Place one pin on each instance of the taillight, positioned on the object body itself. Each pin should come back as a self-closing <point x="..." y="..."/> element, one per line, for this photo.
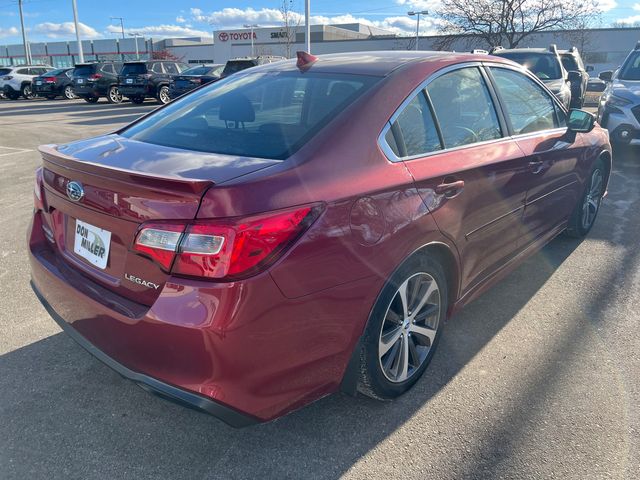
<point x="229" y="248"/>
<point x="37" y="191"/>
<point x="7" y="77"/>
<point x="49" y="79"/>
<point x="94" y="76"/>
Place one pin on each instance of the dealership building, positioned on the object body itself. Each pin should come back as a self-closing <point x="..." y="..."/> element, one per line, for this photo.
<point x="604" y="48"/>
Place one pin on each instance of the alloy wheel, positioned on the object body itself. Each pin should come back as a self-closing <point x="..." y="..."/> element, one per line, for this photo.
<point x="114" y="95"/>
<point x="409" y="327"/>
<point x="68" y="93"/>
<point x="592" y="199"/>
<point x="164" y="95"/>
<point x="27" y="92"/>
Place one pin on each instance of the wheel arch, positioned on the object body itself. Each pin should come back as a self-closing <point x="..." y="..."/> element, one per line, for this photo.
<point x="443" y="254"/>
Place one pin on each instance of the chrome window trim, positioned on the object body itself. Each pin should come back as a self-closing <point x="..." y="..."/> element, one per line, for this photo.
<point x="392" y="157"/>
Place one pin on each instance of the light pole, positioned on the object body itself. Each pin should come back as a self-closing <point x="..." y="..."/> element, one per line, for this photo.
<point x="27" y="52"/>
<point x="121" y="24"/>
<point x="411" y="14"/>
<point x="75" y="21"/>
<point x="252" y="26"/>
<point x="307" y="27"/>
<point x="135" y="35"/>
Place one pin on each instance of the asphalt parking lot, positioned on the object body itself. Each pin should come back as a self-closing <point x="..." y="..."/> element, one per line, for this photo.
<point x="539" y="378"/>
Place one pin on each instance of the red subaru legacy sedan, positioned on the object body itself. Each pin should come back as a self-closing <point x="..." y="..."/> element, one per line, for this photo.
<point x="300" y="228"/>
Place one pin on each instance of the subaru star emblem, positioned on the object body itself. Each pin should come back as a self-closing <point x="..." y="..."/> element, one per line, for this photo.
<point x="75" y="191"/>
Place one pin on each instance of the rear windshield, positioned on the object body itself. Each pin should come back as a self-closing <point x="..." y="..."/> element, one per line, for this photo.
<point x="134" y="69"/>
<point x="234" y="66"/>
<point x="544" y="66"/>
<point x="267" y="115"/>
<point x="631" y="68"/>
<point x="83" y="70"/>
<point x="5" y="71"/>
<point x="197" y="71"/>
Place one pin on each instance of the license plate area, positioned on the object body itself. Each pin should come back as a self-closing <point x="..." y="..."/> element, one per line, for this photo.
<point x="92" y="243"/>
<point x="129" y="80"/>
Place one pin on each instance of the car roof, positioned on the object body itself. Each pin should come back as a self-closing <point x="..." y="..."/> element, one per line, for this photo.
<point x="545" y="51"/>
<point x="379" y="63"/>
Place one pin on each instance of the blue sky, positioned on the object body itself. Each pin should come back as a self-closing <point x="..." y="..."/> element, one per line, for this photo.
<point x="51" y="20"/>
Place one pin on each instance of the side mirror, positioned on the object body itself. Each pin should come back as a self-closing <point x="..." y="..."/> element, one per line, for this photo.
<point x="606" y="76"/>
<point x="575" y="76"/>
<point x="580" y="121"/>
<point x="588" y="68"/>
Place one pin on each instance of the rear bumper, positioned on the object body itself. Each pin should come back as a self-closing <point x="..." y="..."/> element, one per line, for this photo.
<point x="175" y="92"/>
<point x="87" y="91"/>
<point x="134" y="91"/>
<point x="240" y="351"/>
<point x="44" y="89"/>
<point x="152" y="385"/>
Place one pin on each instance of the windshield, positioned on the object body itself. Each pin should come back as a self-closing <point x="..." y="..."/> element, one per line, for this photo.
<point x="234" y="66"/>
<point x="544" y="66"/>
<point x="5" y="71"/>
<point x="55" y="73"/>
<point x="134" y="69"/>
<point x="265" y="115"/>
<point x="631" y="68"/>
<point x="83" y="70"/>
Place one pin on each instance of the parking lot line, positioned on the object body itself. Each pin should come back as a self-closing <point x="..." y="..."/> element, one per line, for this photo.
<point x="18" y="150"/>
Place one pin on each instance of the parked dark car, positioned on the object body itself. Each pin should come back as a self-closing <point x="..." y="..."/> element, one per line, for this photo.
<point x="193" y="78"/>
<point x="545" y="63"/>
<point x="53" y="84"/>
<point x="578" y="75"/>
<point x="248" y="248"/>
<point x="140" y="80"/>
<point x="94" y="80"/>
<point x="242" y="63"/>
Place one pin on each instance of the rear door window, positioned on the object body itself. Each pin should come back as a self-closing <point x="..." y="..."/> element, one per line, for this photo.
<point x="267" y="115"/>
<point x="171" y="68"/>
<point x="108" y="68"/>
<point x="529" y="108"/>
<point x="23" y="71"/>
<point x="157" y="68"/>
<point x="134" y="69"/>
<point x="464" y="108"/>
<point x="417" y="129"/>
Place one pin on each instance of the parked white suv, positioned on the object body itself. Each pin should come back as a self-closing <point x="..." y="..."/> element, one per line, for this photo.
<point x="16" y="80"/>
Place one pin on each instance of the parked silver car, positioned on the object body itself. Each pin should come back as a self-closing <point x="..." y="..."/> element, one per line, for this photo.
<point x="619" y="109"/>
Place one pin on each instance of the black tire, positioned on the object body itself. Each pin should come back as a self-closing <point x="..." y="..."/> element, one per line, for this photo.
<point x="137" y="100"/>
<point x="373" y="381"/>
<point x="591" y="198"/>
<point x="163" y="95"/>
<point x="91" y="99"/>
<point x="26" y="91"/>
<point x="113" y="95"/>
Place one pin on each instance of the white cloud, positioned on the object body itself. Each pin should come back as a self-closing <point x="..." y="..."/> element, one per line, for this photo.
<point x="629" y="20"/>
<point x="66" y="29"/>
<point x="417" y="4"/>
<point x="271" y="17"/>
<point x="636" y="6"/>
<point x="8" y="32"/>
<point x="180" y="19"/>
<point x="162" y="31"/>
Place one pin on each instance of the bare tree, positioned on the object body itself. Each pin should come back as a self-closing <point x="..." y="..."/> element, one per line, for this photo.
<point x="509" y="22"/>
<point x="625" y="25"/>
<point x="290" y="25"/>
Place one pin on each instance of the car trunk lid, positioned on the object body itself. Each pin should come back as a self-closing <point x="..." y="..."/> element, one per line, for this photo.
<point x="125" y="183"/>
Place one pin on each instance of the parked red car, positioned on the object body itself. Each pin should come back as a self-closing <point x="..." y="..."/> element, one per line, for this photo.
<point x="300" y="228"/>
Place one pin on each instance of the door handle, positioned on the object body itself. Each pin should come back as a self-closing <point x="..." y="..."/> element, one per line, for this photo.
<point x="450" y="189"/>
<point x="536" y="166"/>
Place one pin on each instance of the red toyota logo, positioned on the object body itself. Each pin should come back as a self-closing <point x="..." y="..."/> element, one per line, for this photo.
<point x="224" y="36"/>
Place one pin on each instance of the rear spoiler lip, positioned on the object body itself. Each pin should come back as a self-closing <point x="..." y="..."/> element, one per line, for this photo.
<point x="51" y="154"/>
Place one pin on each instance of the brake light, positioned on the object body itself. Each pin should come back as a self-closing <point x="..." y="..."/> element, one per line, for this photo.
<point x="7" y="77"/>
<point x="229" y="248"/>
<point x="94" y="76"/>
<point x="49" y="79"/>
